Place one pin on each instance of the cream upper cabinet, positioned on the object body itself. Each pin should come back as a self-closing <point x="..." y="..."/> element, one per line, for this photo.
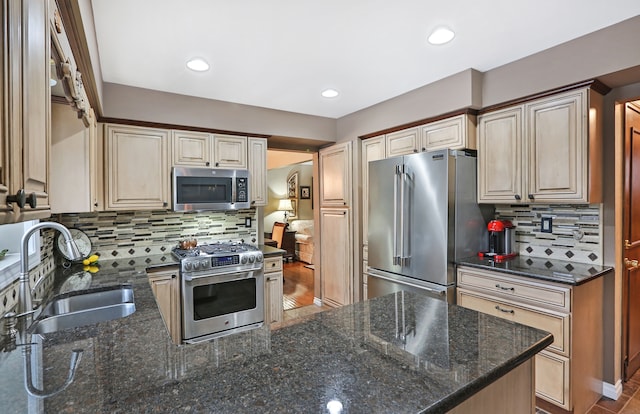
<point x="336" y="257"/>
<point x="258" y="171"/>
<point x="336" y="168"/>
<point x="229" y="151"/>
<point x="191" y="149"/>
<point x="500" y="178"/>
<point x="558" y="158"/>
<point x="457" y="132"/>
<point x="403" y="142"/>
<point x="137" y="168"/>
<point x="372" y="149"/>
<point x="25" y="140"/>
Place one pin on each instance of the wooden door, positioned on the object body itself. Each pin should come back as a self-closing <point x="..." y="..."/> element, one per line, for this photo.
<point x="500" y="158"/>
<point x="631" y="280"/>
<point x="335" y="259"/>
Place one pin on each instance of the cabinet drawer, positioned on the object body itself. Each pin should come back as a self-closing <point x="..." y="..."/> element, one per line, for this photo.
<point x="273" y="264"/>
<point x="555" y="323"/>
<point x="512" y="287"/>
<point x="552" y="378"/>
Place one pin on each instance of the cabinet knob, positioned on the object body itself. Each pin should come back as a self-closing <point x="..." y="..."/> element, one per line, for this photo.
<point x="423" y="149"/>
<point x="530" y="196"/>
<point x="95" y="204"/>
<point x="253" y="201"/>
<point x="415" y="150"/>
<point x="217" y="164"/>
<point x="164" y="204"/>
<point x="22" y="199"/>
<point x="173" y="276"/>
<point x="207" y="163"/>
<point x="517" y="197"/>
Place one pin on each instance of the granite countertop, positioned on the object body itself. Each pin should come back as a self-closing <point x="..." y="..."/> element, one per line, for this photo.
<point x="559" y="271"/>
<point x="354" y="354"/>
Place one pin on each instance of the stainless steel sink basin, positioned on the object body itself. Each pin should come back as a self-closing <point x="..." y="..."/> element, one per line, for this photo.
<point x="85" y="309"/>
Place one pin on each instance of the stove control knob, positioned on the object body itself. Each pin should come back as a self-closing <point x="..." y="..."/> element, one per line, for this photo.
<point x="187" y="266"/>
<point x="203" y="264"/>
<point x="259" y="258"/>
<point x="196" y="265"/>
<point x="252" y="258"/>
<point x="244" y="260"/>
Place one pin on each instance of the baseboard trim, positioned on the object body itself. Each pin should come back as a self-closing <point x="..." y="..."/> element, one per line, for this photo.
<point x="612" y="391"/>
<point x="317" y="301"/>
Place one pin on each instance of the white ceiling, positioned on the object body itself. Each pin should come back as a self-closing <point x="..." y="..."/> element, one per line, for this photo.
<point x="282" y="53"/>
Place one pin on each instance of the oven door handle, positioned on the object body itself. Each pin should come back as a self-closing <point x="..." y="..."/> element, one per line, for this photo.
<point x="222" y="277"/>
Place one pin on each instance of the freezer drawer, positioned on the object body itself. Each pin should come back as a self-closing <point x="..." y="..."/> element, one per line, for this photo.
<point x="383" y="283"/>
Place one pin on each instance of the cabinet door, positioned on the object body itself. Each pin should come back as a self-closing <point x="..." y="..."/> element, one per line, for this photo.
<point x="273" y="297"/>
<point x="500" y="156"/>
<point x="335" y="175"/>
<point x="558" y="151"/>
<point x="229" y="151"/>
<point x="258" y="171"/>
<point x="403" y="142"/>
<point x="336" y="254"/>
<point x="456" y="133"/>
<point x="137" y="168"/>
<point x="166" y="289"/>
<point x="191" y="149"/>
<point x="36" y="107"/>
<point x="372" y="149"/>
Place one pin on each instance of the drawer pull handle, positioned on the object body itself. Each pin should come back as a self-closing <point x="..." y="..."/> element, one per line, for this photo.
<point x="505" y="288"/>
<point x="505" y="310"/>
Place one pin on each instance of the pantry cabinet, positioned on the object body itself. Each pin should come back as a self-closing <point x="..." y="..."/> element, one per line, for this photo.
<point x="336" y="170"/>
<point x="137" y="168"/>
<point x="25" y="140"/>
<point x="273" y="292"/>
<point x="258" y="171"/>
<point x="547" y="150"/>
<point x="569" y="371"/>
<point x="336" y="258"/>
<point x="165" y="284"/>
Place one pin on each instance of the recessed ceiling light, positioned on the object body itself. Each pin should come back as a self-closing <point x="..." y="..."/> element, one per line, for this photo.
<point x="330" y="93"/>
<point x="441" y="36"/>
<point x="198" y="65"/>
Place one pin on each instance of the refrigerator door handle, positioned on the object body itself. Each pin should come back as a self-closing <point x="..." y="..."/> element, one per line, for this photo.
<point x="404" y="257"/>
<point x="396" y="179"/>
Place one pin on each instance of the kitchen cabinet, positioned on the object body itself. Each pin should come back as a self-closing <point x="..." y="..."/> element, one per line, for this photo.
<point x="74" y="161"/>
<point x="336" y="167"/>
<point x="547" y="150"/>
<point x="258" y="171"/>
<point x="273" y="294"/>
<point x="457" y="132"/>
<point x="403" y="142"/>
<point x="372" y="149"/>
<point x="137" y="168"/>
<point x="191" y="149"/>
<point x="24" y="143"/>
<point x="229" y="151"/>
<point x="165" y="284"/>
<point x="569" y="371"/>
<point x="336" y="257"/>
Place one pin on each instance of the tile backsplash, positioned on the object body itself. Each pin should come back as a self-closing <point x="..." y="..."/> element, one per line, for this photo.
<point x="576" y="231"/>
<point x="118" y="234"/>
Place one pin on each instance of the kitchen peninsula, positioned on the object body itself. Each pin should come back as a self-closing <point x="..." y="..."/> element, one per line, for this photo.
<point x="397" y="353"/>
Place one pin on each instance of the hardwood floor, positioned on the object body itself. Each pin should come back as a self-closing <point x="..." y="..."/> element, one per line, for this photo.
<point x="298" y="285"/>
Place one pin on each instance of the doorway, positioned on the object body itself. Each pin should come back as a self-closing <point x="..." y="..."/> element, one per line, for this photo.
<point x="290" y="179"/>
<point x="631" y="234"/>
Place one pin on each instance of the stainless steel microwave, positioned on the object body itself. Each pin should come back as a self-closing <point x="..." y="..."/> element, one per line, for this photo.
<point x="201" y="189"/>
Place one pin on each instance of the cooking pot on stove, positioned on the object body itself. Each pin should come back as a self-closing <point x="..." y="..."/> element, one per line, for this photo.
<point x="187" y="244"/>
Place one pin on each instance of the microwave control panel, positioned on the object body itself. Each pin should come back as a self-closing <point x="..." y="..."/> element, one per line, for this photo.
<point x="241" y="190"/>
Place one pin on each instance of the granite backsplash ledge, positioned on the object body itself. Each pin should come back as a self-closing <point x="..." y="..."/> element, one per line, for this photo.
<point x="117" y="234"/>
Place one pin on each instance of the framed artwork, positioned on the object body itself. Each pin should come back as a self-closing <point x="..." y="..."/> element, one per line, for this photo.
<point x="305" y="192"/>
<point x="294" y="213"/>
<point x="292" y="185"/>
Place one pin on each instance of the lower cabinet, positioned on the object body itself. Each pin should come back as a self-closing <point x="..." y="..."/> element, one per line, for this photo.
<point x="569" y="371"/>
<point x="273" y="279"/>
<point x="165" y="284"/>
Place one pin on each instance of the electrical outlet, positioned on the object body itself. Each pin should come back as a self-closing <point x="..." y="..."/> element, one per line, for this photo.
<point x="247" y="221"/>
<point x="546" y="225"/>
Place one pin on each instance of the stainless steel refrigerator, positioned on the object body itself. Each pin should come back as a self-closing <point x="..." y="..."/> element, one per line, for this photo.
<point x="423" y="216"/>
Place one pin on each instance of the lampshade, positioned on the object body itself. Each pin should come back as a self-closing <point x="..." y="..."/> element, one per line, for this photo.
<point x="285" y="205"/>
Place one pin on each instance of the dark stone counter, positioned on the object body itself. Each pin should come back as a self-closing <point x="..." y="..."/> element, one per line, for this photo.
<point x="559" y="271"/>
<point x="398" y="353"/>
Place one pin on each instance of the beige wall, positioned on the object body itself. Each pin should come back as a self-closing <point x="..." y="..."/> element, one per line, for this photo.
<point x="276" y="159"/>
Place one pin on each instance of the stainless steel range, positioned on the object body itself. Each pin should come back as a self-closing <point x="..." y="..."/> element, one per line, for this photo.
<point x="222" y="290"/>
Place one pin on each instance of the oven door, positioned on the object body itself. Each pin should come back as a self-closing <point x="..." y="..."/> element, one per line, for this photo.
<point x="222" y="303"/>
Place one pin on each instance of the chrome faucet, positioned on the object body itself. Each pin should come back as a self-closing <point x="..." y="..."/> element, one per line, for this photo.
<point x="24" y="292"/>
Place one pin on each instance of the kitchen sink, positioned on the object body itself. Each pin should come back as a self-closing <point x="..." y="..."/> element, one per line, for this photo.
<point x="85" y="309"/>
